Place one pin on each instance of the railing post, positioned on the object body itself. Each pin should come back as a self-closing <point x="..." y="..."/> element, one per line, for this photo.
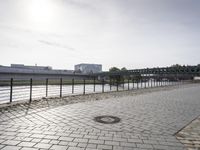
<point x="31" y="84"/>
<point x="137" y="83"/>
<point x="156" y="82"/>
<point x="11" y="89"/>
<point x="94" y="84"/>
<point x="47" y="87"/>
<point x="117" y="85"/>
<point x="165" y="81"/>
<point x="145" y="84"/>
<point x="103" y="86"/>
<point x="73" y="86"/>
<point x="128" y="84"/>
<point x="110" y="85"/>
<point x="141" y="83"/>
<point x="161" y="82"/>
<point x="60" y="87"/>
<point x="123" y="84"/>
<point x="133" y="83"/>
<point x="83" y="86"/>
<point x="151" y="82"/>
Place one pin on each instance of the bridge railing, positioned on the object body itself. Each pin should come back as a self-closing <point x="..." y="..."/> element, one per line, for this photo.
<point x="30" y="89"/>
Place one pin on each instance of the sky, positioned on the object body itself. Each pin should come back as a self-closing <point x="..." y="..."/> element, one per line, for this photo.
<point x="122" y="33"/>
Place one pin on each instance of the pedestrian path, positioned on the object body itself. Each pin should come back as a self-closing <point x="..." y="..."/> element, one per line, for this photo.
<point x="148" y="121"/>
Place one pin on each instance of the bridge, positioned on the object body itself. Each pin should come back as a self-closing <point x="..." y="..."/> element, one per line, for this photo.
<point x="181" y="72"/>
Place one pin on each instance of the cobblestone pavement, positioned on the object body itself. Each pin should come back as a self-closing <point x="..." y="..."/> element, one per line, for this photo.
<point x="190" y="135"/>
<point x="148" y="121"/>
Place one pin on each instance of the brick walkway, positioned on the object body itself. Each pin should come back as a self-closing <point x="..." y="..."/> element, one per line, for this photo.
<point x="148" y="121"/>
<point x="190" y="135"/>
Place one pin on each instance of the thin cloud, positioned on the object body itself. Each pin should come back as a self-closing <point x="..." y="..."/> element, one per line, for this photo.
<point x="55" y="44"/>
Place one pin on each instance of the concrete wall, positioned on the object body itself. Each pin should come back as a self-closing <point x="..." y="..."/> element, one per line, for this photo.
<point x="19" y="73"/>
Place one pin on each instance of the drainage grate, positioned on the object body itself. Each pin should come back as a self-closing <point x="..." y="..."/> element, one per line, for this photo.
<point x="107" y="119"/>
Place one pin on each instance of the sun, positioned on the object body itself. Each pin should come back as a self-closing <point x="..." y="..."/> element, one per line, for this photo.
<point x="42" y="12"/>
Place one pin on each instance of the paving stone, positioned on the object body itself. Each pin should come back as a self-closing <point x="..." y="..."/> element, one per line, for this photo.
<point x="75" y="148"/>
<point x="78" y="140"/>
<point x="126" y="144"/>
<point x="28" y="148"/>
<point x="54" y="142"/>
<point x="91" y="149"/>
<point x="96" y="141"/>
<point x="135" y="140"/>
<point x="112" y="143"/>
<point x="72" y="144"/>
<point x="82" y="145"/>
<point x="26" y="144"/>
<point x="1" y="146"/>
<point x="64" y="138"/>
<point x="11" y="142"/>
<point x="76" y="135"/>
<point x="120" y="139"/>
<point x="36" y="140"/>
<point x="104" y="146"/>
<point x="11" y="148"/>
<point x="90" y="136"/>
<point x="27" y="139"/>
<point x="24" y="134"/>
<point x="94" y="146"/>
<point x="144" y="146"/>
<point x="45" y="141"/>
<point x="43" y="145"/>
<point x="105" y="138"/>
<point x="120" y="148"/>
<point x="58" y="147"/>
<point x="37" y="136"/>
<point x="51" y="137"/>
<point x="1" y="141"/>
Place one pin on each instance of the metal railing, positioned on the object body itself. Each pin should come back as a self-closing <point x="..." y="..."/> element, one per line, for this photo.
<point x="29" y="89"/>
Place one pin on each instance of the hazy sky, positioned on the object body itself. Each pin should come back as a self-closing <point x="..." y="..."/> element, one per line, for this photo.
<point x="130" y="33"/>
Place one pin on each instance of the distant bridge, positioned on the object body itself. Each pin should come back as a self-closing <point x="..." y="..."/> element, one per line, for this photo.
<point x="181" y="71"/>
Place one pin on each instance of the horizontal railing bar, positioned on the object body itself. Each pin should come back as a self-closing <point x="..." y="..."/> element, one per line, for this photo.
<point x="4" y="89"/>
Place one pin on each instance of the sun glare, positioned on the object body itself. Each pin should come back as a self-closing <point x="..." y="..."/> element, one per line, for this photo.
<point x="42" y="12"/>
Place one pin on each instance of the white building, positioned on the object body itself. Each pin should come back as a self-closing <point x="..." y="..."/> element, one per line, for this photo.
<point x="88" y="68"/>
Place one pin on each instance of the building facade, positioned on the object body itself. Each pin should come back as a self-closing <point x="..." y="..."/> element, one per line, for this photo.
<point x="88" y="68"/>
<point x="22" y="66"/>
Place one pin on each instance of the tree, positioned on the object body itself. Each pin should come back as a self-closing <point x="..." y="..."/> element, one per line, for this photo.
<point x="124" y="69"/>
<point x="114" y="69"/>
<point x="115" y="78"/>
<point x="176" y="65"/>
